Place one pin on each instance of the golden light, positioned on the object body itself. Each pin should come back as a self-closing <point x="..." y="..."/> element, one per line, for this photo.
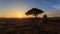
<point x="20" y="16"/>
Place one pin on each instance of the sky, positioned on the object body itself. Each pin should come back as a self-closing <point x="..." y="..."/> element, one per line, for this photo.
<point x="17" y="8"/>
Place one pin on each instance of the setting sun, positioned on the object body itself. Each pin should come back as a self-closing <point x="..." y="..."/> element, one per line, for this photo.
<point x="20" y="16"/>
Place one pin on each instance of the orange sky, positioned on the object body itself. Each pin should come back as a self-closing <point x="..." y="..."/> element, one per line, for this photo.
<point x="17" y="9"/>
<point x="23" y="15"/>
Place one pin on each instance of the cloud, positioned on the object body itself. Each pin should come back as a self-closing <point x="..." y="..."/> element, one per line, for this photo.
<point x="53" y="14"/>
<point x="57" y="6"/>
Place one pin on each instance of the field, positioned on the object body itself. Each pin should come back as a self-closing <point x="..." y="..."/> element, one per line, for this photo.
<point x="29" y="26"/>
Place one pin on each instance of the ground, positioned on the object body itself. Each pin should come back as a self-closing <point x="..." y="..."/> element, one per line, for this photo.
<point x="29" y="26"/>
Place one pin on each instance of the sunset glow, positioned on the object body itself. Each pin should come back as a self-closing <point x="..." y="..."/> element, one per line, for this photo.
<point x="17" y="9"/>
<point x="20" y="16"/>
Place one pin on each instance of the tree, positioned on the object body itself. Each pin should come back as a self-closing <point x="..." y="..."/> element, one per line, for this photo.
<point x="34" y="12"/>
<point x="45" y="19"/>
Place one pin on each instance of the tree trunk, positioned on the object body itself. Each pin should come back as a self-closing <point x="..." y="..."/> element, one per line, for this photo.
<point x="36" y="16"/>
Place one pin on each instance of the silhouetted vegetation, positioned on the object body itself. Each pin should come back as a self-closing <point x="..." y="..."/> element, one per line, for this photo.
<point x="45" y="19"/>
<point x="43" y="25"/>
<point x="27" y="26"/>
<point x="34" y="12"/>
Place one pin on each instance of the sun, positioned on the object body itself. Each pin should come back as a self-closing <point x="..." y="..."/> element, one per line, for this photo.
<point x="20" y="16"/>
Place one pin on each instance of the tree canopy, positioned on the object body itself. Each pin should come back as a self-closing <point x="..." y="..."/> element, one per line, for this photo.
<point x="34" y="12"/>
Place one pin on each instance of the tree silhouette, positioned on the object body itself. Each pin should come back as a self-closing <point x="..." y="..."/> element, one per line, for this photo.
<point x="45" y="19"/>
<point x="34" y="12"/>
